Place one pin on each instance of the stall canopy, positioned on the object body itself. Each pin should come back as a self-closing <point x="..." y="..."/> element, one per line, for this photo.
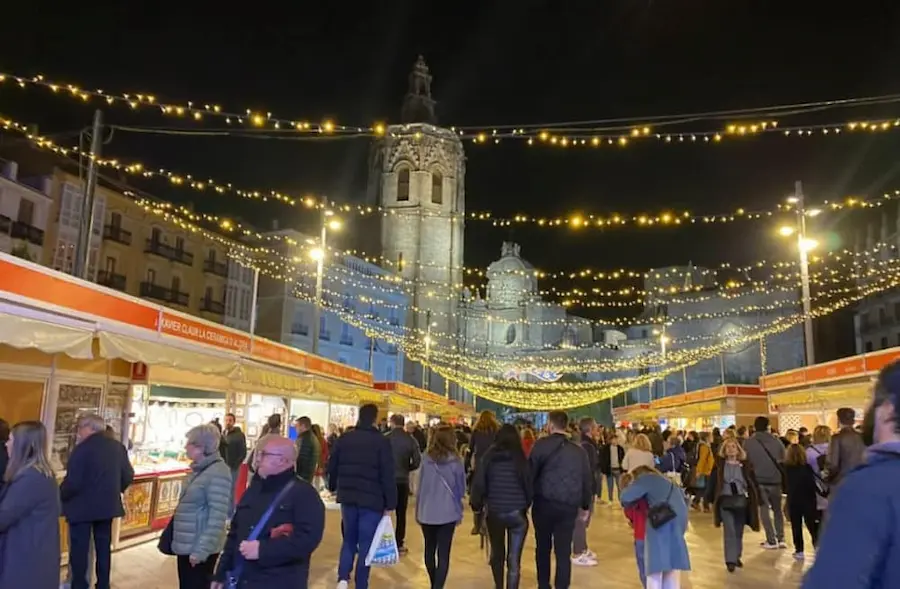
<point x="843" y="382"/>
<point x="54" y="312"/>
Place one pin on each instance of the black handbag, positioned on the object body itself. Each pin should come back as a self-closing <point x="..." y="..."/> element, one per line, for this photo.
<point x="734" y="502"/>
<point x="662" y="513"/>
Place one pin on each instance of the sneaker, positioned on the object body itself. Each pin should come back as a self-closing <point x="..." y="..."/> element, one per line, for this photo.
<point x="799" y="556"/>
<point x="590" y="555"/>
<point x="767" y="546"/>
<point x="583" y="560"/>
<point x="730" y="566"/>
<point x="782" y="544"/>
<point x="343" y="585"/>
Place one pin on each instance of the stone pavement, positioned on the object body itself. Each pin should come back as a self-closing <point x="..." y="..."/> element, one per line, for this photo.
<point x="142" y="567"/>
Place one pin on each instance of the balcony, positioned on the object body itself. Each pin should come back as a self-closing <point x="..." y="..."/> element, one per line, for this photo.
<point x="217" y="268"/>
<point x="166" y="295"/>
<point x="117" y="234"/>
<point x="5" y="224"/>
<point x="27" y="232"/>
<point x="170" y="253"/>
<point x="211" y="306"/>
<point x="111" y="279"/>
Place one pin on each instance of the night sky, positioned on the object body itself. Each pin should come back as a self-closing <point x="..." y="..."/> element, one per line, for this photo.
<point x="493" y="63"/>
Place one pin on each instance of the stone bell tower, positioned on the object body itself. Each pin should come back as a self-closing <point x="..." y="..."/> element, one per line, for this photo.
<point x="418" y="178"/>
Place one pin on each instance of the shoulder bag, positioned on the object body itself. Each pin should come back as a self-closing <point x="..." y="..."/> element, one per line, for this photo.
<point x="233" y="577"/>
<point x="168" y="534"/>
<point x="734" y="502"/>
<point x="662" y="513"/>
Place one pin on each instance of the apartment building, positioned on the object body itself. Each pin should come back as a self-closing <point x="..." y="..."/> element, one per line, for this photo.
<point x="24" y="210"/>
<point x="136" y="251"/>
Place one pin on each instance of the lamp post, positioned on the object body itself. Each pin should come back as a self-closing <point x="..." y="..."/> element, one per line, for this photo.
<point x="804" y="246"/>
<point x="426" y="371"/>
<point x="329" y="221"/>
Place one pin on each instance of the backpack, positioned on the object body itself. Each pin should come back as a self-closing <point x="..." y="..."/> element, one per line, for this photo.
<point x="823" y="489"/>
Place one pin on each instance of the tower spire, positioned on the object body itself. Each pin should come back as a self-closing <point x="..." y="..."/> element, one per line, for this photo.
<point x="418" y="105"/>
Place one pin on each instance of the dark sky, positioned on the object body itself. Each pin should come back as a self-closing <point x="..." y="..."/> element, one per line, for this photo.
<point x="493" y="63"/>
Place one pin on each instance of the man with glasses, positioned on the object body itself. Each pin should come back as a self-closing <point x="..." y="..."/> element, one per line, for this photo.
<point x="276" y="551"/>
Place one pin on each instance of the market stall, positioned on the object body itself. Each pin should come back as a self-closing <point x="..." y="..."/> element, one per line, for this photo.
<point x="68" y="347"/>
<point x="630" y="415"/>
<point x="720" y="406"/>
<point x="810" y="396"/>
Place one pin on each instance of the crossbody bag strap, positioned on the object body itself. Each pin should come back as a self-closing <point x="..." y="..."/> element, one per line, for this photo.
<point x="257" y="530"/>
<point x="772" y="458"/>
<point x="550" y="456"/>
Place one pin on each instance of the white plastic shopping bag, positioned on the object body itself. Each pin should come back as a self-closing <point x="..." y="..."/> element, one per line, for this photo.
<point x="383" y="552"/>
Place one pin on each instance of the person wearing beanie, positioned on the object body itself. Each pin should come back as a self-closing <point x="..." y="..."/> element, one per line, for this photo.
<point x="361" y="471"/>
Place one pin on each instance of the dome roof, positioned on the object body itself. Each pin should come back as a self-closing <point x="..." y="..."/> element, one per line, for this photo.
<point x="511" y="279"/>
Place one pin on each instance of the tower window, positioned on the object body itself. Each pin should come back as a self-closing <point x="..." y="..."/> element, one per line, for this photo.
<point x="437" y="188"/>
<point x="403" y="184"/>
<point x="400" y="262"/>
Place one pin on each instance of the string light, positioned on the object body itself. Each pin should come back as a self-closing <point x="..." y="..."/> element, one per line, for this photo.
<point x="573" y="221"/>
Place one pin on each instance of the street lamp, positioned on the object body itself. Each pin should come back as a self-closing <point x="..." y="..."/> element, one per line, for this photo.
<point x="328" y="221"/>
<point x="426" y="371"/>
<point x="804" y="246"/>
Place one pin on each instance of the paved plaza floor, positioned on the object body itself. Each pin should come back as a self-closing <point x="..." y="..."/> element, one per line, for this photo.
<point x="142" y="567"/>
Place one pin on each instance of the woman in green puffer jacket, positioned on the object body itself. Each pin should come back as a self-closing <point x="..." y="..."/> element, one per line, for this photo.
<point x="199" y="527"/>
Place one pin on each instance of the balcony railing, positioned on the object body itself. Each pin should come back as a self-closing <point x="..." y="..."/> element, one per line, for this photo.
<point x="211" y="306"/>
<point x="117" y="234"/>
<point x="170" y="253"/>
<point x="166" y="295"/>
<point x="111" y="279"/>
<point x="29" y="233"/>
<point x="5" y="224"/>
<point x="217" y="268"/>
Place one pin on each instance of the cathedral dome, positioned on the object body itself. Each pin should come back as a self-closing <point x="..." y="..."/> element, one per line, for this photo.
<point x="511" y="279"/>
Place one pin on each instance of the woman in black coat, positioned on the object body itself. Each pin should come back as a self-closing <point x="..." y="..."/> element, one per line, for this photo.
<point x="29" y="512"/>
<point x="503" y="485"/>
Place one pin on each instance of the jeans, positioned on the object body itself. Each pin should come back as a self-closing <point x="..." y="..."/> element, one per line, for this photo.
<point x="554" y="525"/>
<point x="80" y="534"/>
<point x="507" y="534"/>
<point x="438" y="541"/>
<point x="91" y="561"/>
<point x="195" y="577"/>
<point x="358" y="525"/>
<point x="579" y="534"/>
<point x="402" y="504"/>
<point x="799" y="515"/>
<point x="770" y="498"/>
<point x="613" y="479"/>
<point x="733" y="523"/>
<point x="639" y="558"/>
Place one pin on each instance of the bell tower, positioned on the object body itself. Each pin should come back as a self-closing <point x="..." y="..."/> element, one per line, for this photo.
<point x="418" y="178"/>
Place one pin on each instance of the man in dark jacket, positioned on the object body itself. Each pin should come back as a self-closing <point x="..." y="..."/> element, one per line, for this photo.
<point x="846" y="450"/>
<point x="4" y="455"/>
<point x="279" y="558"/>
<point x="583" y="555"/>
<point x="563" y="490"/>
<point x="233" y="449"/>
<point x="361" y="471"/>
<point x="406" y="459"/>
<point x="309" y="451"/>
<point x="97" y="473"/>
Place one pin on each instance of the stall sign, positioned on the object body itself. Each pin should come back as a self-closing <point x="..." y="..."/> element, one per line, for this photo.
<point x="203" y="333"/>
<point x="139" y="373"/>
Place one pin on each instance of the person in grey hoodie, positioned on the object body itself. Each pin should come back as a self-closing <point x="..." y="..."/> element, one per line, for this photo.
<point x="766" y="453"/>
<point x="439" y="503"/>
<point x="406" y="459"/>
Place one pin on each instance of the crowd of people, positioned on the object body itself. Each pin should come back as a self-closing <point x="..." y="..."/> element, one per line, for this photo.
<point x="841" y="486"/>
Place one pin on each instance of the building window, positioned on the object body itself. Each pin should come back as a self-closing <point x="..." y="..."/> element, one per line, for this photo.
<point x="400" y="262"/>
<point x="26" y="212"/>
<point x="403" y="184"/>
<point x="179" y="244"/>
<point x="882" y="316"/>
<point x="346" y="338"/>
<point x="437" y="188"/>
<point x="884" y="343"/>
<point x="115" y="220"/>
<point x="156" y="235"/>
<point x="348" y="303"/>
<point x="208" y="295"/>
<point x="510" y="335"/>
<point x="323" y="328"/>
<point x="868" y="346"/>
<point x="176" y="284"/>
<point x="70" y="207"/>
<point x="389" y="373"/>
<point x="110" y="265"/>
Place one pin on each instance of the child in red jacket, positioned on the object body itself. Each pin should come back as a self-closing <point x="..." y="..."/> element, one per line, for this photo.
<point x="637" y="516"/>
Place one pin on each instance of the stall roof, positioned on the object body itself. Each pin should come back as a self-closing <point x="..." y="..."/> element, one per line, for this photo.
<point x="836" y="373"/>
<point x="135" y="322"/>
<point x="710" y="394"/>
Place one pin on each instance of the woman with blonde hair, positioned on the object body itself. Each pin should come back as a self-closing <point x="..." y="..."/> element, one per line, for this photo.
<point x="640" y="454"/>
<point x="736" y="500"/>
<point x="439" y="504"/>
<point x="29" y="512"/>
